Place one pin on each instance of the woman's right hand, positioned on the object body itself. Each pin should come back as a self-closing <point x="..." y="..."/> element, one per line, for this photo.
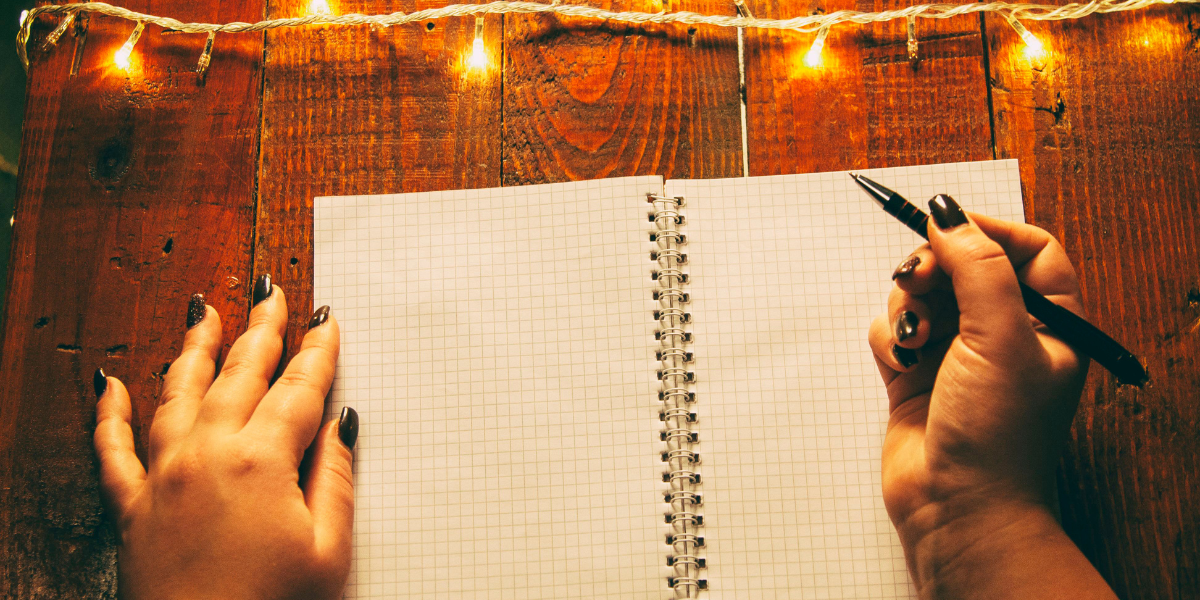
<point x="981" y="399"/>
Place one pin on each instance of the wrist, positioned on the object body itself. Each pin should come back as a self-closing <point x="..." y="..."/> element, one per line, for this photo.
<point x="955" y="541"/>
<point x="985" y="548"/>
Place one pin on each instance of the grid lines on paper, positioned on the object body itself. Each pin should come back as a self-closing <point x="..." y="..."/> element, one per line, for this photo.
<point x="498" y="347"/>
<point x="787" y="273"/>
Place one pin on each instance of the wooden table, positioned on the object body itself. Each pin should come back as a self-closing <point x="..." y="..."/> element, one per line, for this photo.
<point x="136" y="191"/>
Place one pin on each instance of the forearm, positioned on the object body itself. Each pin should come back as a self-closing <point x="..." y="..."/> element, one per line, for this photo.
<point x="1004" y="552"/>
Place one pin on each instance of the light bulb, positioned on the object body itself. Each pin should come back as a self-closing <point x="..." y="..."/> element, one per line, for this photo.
<point x="319" y="7"/>
<point x="1033" y="46"/>
<point x="478" y="53"/>
<point x="126" y="49"/>
<point x="813" y="57"/>
<point x="912" y="38"/>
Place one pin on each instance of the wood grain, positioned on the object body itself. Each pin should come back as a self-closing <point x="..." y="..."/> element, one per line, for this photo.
<point x="588" y="100"/>
<point x="362" y="111"/>
<point x="1108" y="142"/>
<point x="866" y="105"/>
<point x="135" y="191"/>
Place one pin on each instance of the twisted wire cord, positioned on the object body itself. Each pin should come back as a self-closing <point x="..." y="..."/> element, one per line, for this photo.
<point x="811" y="23"/>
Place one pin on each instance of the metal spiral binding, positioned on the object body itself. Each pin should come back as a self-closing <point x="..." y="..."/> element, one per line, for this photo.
<point x="680" y="457"/>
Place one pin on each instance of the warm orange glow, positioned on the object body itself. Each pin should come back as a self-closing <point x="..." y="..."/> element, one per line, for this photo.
<point x="478" y="58"/>
<point x="813" y="57"/>
<point x="319" y="7"/>
<point x="121" y="58"/>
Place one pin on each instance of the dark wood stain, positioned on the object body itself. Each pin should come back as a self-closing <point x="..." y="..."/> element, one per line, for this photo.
<point x="587" y="100"/>
<point x="362" y="111"/>
<point x="136" y="192"/>
<point x="111" y="166"/>
<point x="1106" y="134"/>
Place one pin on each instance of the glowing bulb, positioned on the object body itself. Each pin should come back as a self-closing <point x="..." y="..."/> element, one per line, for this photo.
<point x="126" y="49"/>
<point x="478" y="54"/>
<point x="912" y="38"/>
<point x="24" y="15"/>
<point x="1033" y="46"/>
<point x="813" y="57"/>
<point x="319" y="7"/>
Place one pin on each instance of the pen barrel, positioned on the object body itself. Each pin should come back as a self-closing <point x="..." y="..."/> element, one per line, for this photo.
<point x="910" y="215"/>
<point x="1085" y="338"/>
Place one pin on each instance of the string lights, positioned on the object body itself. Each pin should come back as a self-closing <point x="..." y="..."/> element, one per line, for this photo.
<point x="121" y="57"/>
<point x="912" y="38"/>
<point x="1033" y="46"/>
<point x="319" y="7"/>
<point x="812" y="58"/>
<point x="320" y="14"/>
<point x="478" y="55"/>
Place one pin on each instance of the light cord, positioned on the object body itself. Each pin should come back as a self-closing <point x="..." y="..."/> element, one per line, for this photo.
<point x="807" y="24"/>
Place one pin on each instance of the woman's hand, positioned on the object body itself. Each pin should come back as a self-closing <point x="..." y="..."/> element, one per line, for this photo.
<point x="229" y="506"/>
<point x="982" y="397"/>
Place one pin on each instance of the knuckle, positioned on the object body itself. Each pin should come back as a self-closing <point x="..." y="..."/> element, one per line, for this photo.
<point x="982" y="251"/>
<point x="239" y="367"/>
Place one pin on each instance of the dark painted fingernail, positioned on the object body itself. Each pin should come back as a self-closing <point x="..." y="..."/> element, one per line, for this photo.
<point x="196" y="310"/>
<point x="946" y="212"/>
<point x="319" y="317"/>
<point x="348" y="427"/>
<point x="905" y="356"/>
<point x="100" y="382"/>
<point x="262" y="289"/>
<point x="906" y="325"/>
<point x="906" y="268"/>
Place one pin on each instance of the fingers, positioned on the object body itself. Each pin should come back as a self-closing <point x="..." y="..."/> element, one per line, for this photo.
<point x="896" y="358"/>
<point x="910" y="319"/>
<point x="188" y="378"/>
<point x="985" y="284"/>
<point x="291" y="411"/>
<point x="918" y="273"/>
<point x="1040" y="261"/>
<point x="329" y="485"/>
<point x="121" y="473"/>
<point x="250" y="364"/>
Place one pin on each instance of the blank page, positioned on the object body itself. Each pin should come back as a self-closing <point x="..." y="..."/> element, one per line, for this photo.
<point x="499" y="347"/>
<point x="787" y="273"/>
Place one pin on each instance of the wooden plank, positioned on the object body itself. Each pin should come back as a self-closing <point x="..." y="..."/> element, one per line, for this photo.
<point x="866" y="105"/>
<point x="587" y="100"/>
<point x="135" y="191"/>
<point x="360" y="111"/>
<point x="1106" y="134"/>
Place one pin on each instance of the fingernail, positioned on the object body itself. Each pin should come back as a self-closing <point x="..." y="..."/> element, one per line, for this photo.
<point x="946" y="212"/>
<point x="195" y="311"/>
<point x="906" y="325"/>
<point x="262" y="289"/>
<point x="100" y="382"/>
<point x="906" y="268"/>
<point x="905" y="356"/>
<point x="348" y="427"/>
<point x="319" y="317"/>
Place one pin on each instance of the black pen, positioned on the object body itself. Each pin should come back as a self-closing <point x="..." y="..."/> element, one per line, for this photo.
<point x="1068" y="326"/>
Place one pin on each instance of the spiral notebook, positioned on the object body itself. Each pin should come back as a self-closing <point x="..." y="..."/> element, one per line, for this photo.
<point x="625" y="388"/>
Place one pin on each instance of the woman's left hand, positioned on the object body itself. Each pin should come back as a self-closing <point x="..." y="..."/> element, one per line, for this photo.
<point x="228" y="505"/>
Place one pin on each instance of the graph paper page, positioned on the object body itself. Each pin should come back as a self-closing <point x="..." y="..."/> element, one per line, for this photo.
<point x="787" y="273"/>
<point x="498" y="346"/>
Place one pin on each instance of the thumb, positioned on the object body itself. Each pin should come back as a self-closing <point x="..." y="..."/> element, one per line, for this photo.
<point x="329" y="487"/>
<point x="993" y="314"/>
